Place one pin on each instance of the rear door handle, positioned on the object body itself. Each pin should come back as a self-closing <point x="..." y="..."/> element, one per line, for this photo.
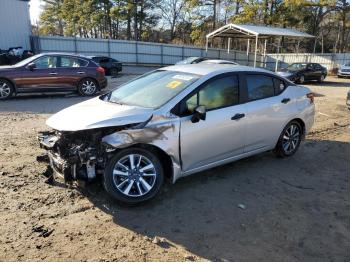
<point x="237" y="116"/>
<point x="285" y="100"/>
<point x="53" y="74"/>
<point x="80" y="72"/>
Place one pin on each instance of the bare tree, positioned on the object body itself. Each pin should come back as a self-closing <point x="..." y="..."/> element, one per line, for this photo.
<point x="171" y="12"/>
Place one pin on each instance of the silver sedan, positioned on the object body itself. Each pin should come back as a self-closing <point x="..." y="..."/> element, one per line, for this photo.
<point x="174" y="122"/>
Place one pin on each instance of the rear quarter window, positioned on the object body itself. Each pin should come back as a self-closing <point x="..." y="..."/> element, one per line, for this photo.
<point x="259" y="87"/>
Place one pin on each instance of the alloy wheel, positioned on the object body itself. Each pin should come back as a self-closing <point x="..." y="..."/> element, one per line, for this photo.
<point x="5" y="90"/>
<point x="291" y="139"/>
<point x="134" y="175"/>
<point x="88" y="87"/>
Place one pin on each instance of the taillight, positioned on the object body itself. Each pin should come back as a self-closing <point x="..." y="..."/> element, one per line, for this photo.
<point x="100" y="70"/>
<point x="311" y="96"/>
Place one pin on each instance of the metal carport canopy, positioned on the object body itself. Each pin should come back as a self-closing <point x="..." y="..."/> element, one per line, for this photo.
<point x="254" y="31"/>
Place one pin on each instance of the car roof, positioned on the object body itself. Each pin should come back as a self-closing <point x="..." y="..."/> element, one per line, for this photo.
<point x="65" y="54"/>
<point x="217" y="61"/>
<point x="206" y="69"/>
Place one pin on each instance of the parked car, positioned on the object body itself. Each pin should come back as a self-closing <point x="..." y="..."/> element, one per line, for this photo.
<point x="344" y="70"/>
<point x="111" y="66"/>
<point x="174" y="122"/>
<point x="218" y="61"/>
<point x="52" y="72"/>
<point x="191" y="60"/>
<point x="301" y="72"/>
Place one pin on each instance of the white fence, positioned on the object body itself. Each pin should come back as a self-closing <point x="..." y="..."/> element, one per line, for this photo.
<point x="131" y="52"/>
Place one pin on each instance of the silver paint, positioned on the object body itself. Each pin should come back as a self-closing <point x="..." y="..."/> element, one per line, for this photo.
<point x="194" y="147"/>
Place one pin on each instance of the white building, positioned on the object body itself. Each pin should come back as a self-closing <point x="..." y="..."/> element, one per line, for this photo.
<point x="15" y="26"/>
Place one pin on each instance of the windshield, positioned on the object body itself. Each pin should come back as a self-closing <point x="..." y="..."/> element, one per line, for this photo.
<point x="297" y="66"/>
<point x="348" y="64"/>
<point x="187" y="61"/>
<point x="27" y="60"/>
<point x="152" y="90"/>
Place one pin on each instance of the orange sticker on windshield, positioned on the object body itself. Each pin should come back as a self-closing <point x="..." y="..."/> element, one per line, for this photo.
<point x="174" y="84"/>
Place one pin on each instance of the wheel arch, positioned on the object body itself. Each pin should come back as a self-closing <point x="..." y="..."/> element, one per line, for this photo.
<point x="301" y="123"/>
<point x="164" y="158"/>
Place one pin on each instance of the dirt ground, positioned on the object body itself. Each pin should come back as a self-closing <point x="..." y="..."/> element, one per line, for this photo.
<point x="295" y="209"/>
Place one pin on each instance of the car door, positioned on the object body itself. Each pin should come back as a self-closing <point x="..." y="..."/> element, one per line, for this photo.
<point x="71" y="70"/>
<point x="43" y="75"/>
<point x="270" y="103"/>
<point x="310" y="72"/>
<point x="317" y="71"/>
<point x="221" y="134"/>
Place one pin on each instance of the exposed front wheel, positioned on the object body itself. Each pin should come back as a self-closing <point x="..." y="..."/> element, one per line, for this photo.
<point x="6" y="89"/>
<point x="133" y="176"/>
<point x="87" y="87"/>
<point x="289" y="141"/>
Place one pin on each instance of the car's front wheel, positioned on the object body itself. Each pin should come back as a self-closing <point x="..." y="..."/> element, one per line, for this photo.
<point x="133" y="176"/>
<point x="87" y="87"/>
<point x="289" y="140"/>
<point x="6" y="89"/>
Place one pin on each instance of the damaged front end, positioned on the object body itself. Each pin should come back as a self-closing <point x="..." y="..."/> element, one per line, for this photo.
<point x="77" y="155"/>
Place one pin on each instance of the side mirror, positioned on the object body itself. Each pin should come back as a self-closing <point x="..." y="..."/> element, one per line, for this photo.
<point x="31" y="66"/>
<point x="200" y="113"/>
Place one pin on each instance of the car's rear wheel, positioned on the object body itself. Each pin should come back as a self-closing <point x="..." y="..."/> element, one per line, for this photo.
<point x="133" y="176"/>
<point x="289" y="140"/>
<point x="87" y="87"/>
<point x="6" y="89"/>
<point x="113" y="72"/>
<point x="301" y="79"/>
<point x="321" y="79"/>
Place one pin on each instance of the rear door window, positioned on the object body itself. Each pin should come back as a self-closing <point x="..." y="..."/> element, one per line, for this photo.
<point x="73" y="62"/>
<point x="259" y="87"/>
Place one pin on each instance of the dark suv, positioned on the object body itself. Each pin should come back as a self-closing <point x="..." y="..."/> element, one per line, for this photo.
<point x="52" y="72"/>
<point x="110" y="65"/>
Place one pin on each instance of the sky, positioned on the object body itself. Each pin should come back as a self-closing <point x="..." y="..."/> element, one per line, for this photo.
<point x="35" y="10"/>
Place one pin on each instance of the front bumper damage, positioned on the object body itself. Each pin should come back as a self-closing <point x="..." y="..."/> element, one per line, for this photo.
<point x="71" y="162"/>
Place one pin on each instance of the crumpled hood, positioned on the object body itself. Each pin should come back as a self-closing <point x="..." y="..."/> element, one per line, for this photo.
<point x="96" y="113"/>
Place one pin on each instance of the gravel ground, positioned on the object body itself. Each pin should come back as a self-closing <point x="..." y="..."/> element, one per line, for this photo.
<point x="261" y="208"/>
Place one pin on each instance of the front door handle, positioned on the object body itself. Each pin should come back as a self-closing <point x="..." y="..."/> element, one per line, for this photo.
<point x="285" y="100"/>
<point x="80" y="73"/>
<point x="237" y="116"/>
<point x="53" y="74"/>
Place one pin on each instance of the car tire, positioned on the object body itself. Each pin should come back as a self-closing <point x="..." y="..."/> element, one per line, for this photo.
<point x="301" y="79"/>
<point x="321" y="79"/>
<point x="289" y="140"/>
<point x="87" y="87"/>
<point x="136" y="183"/>
<point x="6" y="89"/>
<point x="113" y="72"/>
